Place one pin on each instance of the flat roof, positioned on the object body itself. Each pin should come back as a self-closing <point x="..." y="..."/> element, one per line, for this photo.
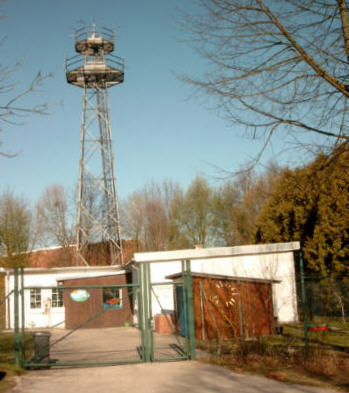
<point x="216" y="252"/>
<point x="68" y="269"/>
<point x="224" y="277"/>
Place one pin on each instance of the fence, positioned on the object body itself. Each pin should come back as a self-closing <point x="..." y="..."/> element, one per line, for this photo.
<point x="326" y="298"/>
<point x="107" y="310"/>
<point x="323" y="301"/>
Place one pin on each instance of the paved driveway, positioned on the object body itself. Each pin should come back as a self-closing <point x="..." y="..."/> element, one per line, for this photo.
<point x="175" y="377"/>
<point x="107" y="345"/>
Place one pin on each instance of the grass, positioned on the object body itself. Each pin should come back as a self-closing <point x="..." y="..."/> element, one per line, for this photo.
<point x="7" y="360"/>
<point x="335" y="339"/>
<point x="282" y="357"/>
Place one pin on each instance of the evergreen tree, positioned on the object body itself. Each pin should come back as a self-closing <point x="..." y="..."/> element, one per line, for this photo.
<point x="311" y="204"/>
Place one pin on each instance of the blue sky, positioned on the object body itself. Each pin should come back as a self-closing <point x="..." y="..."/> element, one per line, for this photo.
<point x="158" y="131"/>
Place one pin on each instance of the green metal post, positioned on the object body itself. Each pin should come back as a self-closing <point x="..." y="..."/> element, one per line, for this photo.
<point x="141" y="309"/>
<point x="16" y="319"/>
<point x="23" y="318"/>
<point x="140" y="312"/>
<point x="150" y="315"/>
<point x="191" y="321"/>
<point x="145" y="312"/>
<point x="305" y="323"/>
<point x="185" y="308"/>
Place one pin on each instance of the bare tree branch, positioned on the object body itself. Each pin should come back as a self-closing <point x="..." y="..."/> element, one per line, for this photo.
<point x="12" y="108"/>
<point x="275" y="66"/>
<point x="344" y="17"/>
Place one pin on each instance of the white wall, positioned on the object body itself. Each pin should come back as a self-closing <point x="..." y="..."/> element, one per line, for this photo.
<point x="46" y="315"/>
<point x="158" y="272"/>
<point x="272" y="266"/>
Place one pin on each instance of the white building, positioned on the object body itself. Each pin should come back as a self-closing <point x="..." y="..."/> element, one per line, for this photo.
<point x="44" y="307"/>
<point x="265" y="261"/>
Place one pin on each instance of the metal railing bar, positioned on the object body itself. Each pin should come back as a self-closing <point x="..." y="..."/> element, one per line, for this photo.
<point x="84" y="286"/>
<point x="167" y="283"/>
<point x="70" y="364"/>
<point x="2" y="301"/>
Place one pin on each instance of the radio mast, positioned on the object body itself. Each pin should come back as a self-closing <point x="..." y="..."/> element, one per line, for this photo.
<point x="95" y="69"/>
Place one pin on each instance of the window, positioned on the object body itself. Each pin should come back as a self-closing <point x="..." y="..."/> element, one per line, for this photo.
<point x="112" y="298"/>
<point x="57" y="297"/>
<point x="35" y="298"/>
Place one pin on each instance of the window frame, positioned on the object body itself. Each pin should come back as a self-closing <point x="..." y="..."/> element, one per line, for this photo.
<point x="57" y="297"/>
<point x="35" y="298"/>
<point x="115" y="306"/>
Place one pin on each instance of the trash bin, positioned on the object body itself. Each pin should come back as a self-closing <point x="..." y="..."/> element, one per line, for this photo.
<point x="41" y="347"/>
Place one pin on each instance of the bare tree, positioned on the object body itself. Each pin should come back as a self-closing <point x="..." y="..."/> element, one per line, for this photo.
<point x="254" y="193"/>
<point x="12" y="112"/>
<point x="276" y="66"/>
<point x="54" y="216"/>
<point x="16" y="235"/>
<point x="226" y="200"/>
<point x="132" y="217"/>
<point x="156" y="224"/>
<point x="14" y="107"/>
<point x="145" y="216"/>
<point x="162" y="217"/>
<point x="236" y="205"/>
<point x="191" y="214"/>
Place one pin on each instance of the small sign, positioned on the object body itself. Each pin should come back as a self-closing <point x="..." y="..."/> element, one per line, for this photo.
<point x="79" y="295"/>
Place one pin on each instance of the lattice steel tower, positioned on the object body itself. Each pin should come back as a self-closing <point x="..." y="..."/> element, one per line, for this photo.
<point x="95" y="69"/>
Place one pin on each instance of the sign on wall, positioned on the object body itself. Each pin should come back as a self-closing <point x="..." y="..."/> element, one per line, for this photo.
<point x="79" y="295"/>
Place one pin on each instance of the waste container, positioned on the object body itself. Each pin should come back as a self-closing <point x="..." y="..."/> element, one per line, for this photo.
<point x="41" y="347"/>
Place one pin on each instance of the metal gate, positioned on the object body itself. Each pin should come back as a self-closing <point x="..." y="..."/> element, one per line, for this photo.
<point x="82" y="344"/>
<point x="174" y="345"/>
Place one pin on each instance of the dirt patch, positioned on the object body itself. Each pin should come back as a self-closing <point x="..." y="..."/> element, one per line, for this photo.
<point x="323" y="368"/>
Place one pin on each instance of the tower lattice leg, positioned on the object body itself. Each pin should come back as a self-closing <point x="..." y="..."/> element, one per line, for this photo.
<point x="98" y="223"/>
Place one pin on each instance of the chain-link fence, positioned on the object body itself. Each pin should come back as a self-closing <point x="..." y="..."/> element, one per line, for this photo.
<point x="323" y="309"/>
<point x="326" y="298"/>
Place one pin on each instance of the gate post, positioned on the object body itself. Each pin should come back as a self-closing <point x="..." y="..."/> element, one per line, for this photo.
<point x="150" y="312"/>
<point x="190" y="309"/>
<point x="16" y="316"/>
<point x="144" y="311"/>
<point x="22" y="317"/>
<point x="185" y="307"/>
<point x="140" y="310"/>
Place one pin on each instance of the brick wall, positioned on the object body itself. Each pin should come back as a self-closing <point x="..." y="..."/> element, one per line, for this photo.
<point x="77" y="313"/>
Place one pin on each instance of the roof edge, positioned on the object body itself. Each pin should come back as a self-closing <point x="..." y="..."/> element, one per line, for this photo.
<point x="216" y="252"/>
<point x="224" y="277"/>
<point x="76" y="269"/>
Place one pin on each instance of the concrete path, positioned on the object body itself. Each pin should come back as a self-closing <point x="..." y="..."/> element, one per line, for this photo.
<point x="107" y="344"/>
<point x="175" y="377"/>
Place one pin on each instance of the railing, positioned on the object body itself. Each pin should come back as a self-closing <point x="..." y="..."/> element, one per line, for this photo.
<point x="86" y="31"/>
<point x="78" y="61"/>
<point x="3" y="300"/>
